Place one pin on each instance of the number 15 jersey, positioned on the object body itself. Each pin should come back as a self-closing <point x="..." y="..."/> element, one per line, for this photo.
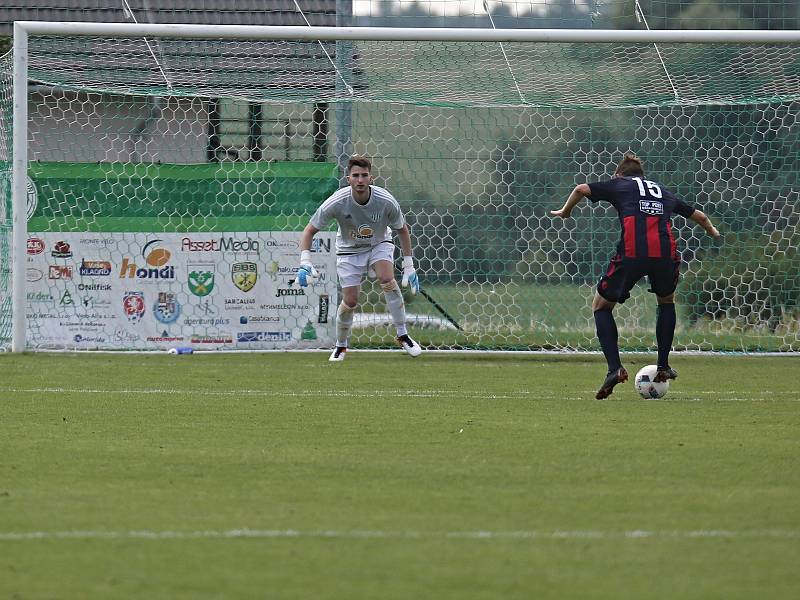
<point x="644" y="209"/>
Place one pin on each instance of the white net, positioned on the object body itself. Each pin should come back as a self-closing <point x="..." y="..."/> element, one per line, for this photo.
<point x="212" y="155"/>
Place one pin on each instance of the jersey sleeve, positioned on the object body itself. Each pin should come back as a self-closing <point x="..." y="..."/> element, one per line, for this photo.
<point x="395" y="216"/>
<point x="323" y="215"/>
<point x="683" y="209"/>
<point x="601" y="190"/>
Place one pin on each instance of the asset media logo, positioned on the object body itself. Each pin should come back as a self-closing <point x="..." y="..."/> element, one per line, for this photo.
<point x="133" y="306"/>
<point x="229" y="244"/>
<point x="166" y="309"/>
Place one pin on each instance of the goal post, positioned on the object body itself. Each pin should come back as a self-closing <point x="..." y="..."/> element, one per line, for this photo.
<point x="478" y="132"/>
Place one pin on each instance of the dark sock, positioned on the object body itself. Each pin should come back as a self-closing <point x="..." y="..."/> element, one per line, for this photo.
<point x="665" y="332"/>
<point x="608" y="336"/>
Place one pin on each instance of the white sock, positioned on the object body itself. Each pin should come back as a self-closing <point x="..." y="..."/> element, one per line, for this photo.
<point x="396" y="306"/>
<point x="344" y="323"/>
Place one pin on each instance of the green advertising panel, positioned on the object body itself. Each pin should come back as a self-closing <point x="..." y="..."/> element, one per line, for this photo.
<point x="225" y="196"/>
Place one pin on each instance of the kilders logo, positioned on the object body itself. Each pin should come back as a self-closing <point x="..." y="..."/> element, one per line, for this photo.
<point x="244" y="275"/>
<point x="156" y="258"/>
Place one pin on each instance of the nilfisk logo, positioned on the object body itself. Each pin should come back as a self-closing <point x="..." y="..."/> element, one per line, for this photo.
<point x="156" y="257"/>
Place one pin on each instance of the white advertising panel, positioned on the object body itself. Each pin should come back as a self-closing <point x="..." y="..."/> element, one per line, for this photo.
<point x="158" y="291"/>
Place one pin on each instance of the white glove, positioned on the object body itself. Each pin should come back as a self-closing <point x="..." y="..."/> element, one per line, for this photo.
<point x="410" y="275"/>
<point x="306" y="271"/>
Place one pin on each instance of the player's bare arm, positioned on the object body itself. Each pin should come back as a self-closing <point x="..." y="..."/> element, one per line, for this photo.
<point x="405" y="239"/>
<point x="579" y="193"/>
<point x="702" y="219"/>
<point x="307" y="236"/>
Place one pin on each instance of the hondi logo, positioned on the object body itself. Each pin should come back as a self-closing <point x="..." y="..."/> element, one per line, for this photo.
<point x="365" y="232"/>
<point x="61" y="250"/>
<point x="133" y="306"/>
<point x="156" y="258"/>
<point x="95" y="268"/>
<point x="35" y="246"/>
<point x="244" y="275"/>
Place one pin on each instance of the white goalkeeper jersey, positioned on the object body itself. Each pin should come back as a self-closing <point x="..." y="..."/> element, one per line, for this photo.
<point x="361" y="226"/>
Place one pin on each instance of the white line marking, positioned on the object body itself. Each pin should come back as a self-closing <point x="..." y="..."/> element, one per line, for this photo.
<point x="677" y="396"/>
<point x="372" y="534"/>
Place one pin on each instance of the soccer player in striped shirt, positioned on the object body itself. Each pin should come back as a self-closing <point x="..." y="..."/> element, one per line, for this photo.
<point x="366" y="215"/>
<point x="646" y="247"/>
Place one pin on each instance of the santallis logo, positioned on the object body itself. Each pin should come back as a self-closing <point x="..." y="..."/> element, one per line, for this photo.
<point x="220" y="245"/>
<point x="156" y="257"/>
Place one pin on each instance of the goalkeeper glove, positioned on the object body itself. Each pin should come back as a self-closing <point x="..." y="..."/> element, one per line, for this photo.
<point x="410" y="275"/>
<point x="306" y="271"/>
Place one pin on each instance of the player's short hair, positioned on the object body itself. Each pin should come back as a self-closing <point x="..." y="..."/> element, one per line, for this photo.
<point x="359" y="160"/>
<point x="629" y="165"/>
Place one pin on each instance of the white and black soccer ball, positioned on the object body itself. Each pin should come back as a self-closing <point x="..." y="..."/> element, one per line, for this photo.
<point x="646" y="387"/>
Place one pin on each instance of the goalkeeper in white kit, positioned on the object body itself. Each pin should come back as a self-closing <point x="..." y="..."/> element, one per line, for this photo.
<point x="366" y="215"/>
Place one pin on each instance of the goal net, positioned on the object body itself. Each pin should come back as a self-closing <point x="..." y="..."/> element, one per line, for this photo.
<point x="169" y="178"/>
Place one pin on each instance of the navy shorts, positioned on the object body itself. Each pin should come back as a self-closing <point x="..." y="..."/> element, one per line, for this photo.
<point x="623" y="273"/>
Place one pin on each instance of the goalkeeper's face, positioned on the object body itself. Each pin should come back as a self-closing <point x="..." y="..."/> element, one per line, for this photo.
<point x="359" y="179"/>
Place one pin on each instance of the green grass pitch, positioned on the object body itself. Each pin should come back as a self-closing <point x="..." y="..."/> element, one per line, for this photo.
<point x="385" y="477"/>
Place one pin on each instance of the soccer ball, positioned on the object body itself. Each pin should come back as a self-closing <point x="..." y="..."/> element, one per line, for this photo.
<point x="647" y="388"/>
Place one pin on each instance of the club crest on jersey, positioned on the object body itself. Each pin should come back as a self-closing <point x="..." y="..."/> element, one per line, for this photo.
<point x="364" y="232"/>
<point x="651" y="207"/>
<point x="244" y="275"/>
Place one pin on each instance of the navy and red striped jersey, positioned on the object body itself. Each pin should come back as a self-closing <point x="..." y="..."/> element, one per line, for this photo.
<point x="644" y="209"/>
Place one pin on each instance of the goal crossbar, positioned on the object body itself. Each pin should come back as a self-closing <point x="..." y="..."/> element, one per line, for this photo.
<point x="254" y="32"/>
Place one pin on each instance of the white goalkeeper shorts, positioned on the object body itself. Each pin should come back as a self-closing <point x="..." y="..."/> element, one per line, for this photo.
<point x="352" y="268"/>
